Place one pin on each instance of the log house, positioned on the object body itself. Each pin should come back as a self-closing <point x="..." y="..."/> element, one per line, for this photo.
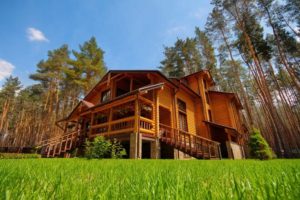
<point x="155" y="117"/>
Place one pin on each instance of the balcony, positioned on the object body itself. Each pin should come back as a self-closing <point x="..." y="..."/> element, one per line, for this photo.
<point x="133" y="113"/>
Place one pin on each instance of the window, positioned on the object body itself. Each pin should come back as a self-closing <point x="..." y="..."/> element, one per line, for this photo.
<point x="183" y="125"/>
<point x="181" y="105"/>
<point x="105" y="96"/>
<point x="183" y="122"/>
<point x="122" y="87"/>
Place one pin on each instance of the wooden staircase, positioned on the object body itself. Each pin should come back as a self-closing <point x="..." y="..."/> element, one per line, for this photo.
<point x="193" y="145"/>
<point x="59" y="146"/>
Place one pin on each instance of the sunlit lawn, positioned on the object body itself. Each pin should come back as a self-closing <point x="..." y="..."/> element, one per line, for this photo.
<point x="149" y="179"/>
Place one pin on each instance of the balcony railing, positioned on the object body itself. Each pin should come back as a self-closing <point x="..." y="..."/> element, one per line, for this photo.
<point x="120" y="117"/>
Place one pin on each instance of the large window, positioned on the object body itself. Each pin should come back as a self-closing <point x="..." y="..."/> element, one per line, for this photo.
<point x="183" y="125"/>
<point x="105" y="96"/>
<point x="122" y="87"/>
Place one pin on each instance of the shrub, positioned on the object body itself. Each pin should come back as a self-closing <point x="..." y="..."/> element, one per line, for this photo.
<point x="101" y="148"/>
<point x="259" y="148"/>
<point x="117" y="150"/>
<point x="18" y="155"/>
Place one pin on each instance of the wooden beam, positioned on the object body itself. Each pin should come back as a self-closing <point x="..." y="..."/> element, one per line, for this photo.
<point x="108" y="79"/>
<point x="131" y="84"/>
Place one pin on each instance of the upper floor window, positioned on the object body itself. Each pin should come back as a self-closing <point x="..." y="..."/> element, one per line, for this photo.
<point x="105" y="96"/>
<point x="122" y="87"/>
<point x="181" y="105"/>
<point x="183" y="124"/>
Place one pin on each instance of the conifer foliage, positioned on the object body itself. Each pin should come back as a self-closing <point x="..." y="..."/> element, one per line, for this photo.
<point x="262" y="67"/>
<point x="259" y="148"/>
<point x="28" y="115"/>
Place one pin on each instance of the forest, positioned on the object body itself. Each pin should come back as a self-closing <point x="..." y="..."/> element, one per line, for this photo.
<point x="251" y="47"/>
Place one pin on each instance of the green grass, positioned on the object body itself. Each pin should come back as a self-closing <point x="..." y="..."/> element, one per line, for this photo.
<point x="148" y="179"/>
<point x="18" y="155"/>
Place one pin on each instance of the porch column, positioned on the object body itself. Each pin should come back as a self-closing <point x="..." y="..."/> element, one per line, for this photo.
<point x="228" y="145"/>
<point x="133" y="146"/>
<point x="155" y="149"/>
<point x="135" y="137"/>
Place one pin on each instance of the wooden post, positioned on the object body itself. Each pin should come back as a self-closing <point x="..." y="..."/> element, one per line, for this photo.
<point x="135" y="138"/>
<point x="133" y="146"/>
<point x="155" y="149"/>
<point x="110" y="117"/>
<point x="220" y="153"/>
<point x="131" y="84"/>
<point x="49" y="150"/>
<point x="92" y="123"/>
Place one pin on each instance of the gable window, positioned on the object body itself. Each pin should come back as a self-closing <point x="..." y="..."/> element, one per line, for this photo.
<point x="183" y="125"/>
<point x="122" y="87"/>
<point x="105" y="96"/>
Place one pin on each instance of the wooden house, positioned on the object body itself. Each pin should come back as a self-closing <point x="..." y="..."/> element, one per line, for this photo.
<point x="155" y="117"/>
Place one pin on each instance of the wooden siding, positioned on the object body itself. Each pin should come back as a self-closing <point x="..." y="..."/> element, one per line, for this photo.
<point x="165" y="98"/>
<point x="220" y="109"/>
<point x="201" y="128"/>
<point x="193" y="84"/>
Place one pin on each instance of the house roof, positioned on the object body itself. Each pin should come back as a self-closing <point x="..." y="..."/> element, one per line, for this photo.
<point x="90" y="105"/>
<point x="222" y="126"/>
<point x="176" y="82"/>
<point x="204" y="71"/>
<point x="231" y="95"/>
<point x="169" y="80"/>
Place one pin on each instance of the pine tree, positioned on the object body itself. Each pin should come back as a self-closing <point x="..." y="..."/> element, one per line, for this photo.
<point x="88" y="65"/>
<point x="7" y="99"/>
<point x="181" y="59"/>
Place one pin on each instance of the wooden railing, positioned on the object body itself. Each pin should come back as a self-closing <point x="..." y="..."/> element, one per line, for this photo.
<point x="146" y="125"/>
<point x="57" y="145"/>
<point x="126" y="124"/>
<point x="56" y="139"/>
<point x="190" y="144"/>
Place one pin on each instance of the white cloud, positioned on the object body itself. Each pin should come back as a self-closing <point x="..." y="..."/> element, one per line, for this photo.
<point x="6" y="69"/>
<point x="200" y="14"/>
<point x="177" y="30"/>
<point x="34" y="34"/>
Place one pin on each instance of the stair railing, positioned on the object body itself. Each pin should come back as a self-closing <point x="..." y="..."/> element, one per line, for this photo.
<point x="189" y="143"/>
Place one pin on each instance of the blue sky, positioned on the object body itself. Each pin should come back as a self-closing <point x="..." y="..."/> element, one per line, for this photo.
<point x="131" y="32"/>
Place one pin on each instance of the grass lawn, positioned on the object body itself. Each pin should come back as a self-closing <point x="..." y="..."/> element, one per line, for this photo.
<point x="148" y="179"/>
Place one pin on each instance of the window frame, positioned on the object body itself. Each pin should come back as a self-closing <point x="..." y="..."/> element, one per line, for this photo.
<point x="103" y="93"/>
<point x="182" y="114"/>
